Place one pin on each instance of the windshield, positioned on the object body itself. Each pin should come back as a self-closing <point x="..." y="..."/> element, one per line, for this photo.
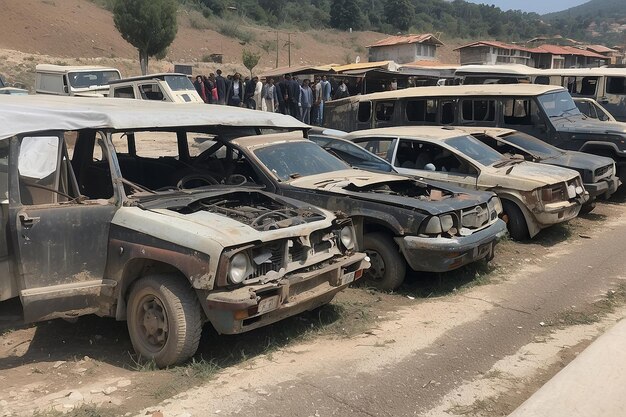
<point x="558" y="104"/>
<point x="298" y="159"/>
<point x="179" y="82"/>
<point x="532" y="144"/>
<point x="473" y="148"/>
<point x="86" y="79"/>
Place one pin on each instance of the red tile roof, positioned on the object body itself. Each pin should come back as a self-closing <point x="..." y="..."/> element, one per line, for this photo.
<point x="495" y="44"/>
<point x="599" y="49"/>
<point x="565" y="50"/>
<point x="406" y="39"/>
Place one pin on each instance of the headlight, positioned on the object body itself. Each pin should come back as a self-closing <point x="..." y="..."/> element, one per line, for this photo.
<point x="446" y="222"/>
<point x="239" y="268"/>
<point x="347" y="237"/>
<point x="495" y="205"/>
<point x="433" y="227"/>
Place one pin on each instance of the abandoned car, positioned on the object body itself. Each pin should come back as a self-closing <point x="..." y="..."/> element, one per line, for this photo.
<point x="533" y="196"/>
<point x="399" y="220"/>
<point x="597" y="172"/>
<point x="101" y="215"/>
<point x="544" y="111"/>
<point x="170" y="87"/>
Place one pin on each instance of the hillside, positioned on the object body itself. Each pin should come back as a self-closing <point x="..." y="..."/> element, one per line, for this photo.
<point x="81" y="32"/>
<point x="597" y="21"/>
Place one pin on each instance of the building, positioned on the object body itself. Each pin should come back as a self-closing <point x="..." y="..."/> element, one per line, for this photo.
<point x="555" y="57"/>
<point x="494" y="53"/>
<point x="613" y="54"/>
<point x="405" y="48"/>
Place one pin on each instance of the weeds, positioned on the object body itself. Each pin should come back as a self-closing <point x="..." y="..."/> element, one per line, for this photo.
<point x="593" y="313"/>
<point x="198" y="21"/>
<point x="232" y="31"/>
<point x="86" y="410"/>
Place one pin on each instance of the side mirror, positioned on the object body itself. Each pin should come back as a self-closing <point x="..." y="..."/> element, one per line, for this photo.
<point x="65" y="89"/>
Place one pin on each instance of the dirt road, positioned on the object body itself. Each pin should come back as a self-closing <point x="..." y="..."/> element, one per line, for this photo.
<point x="442" y="346"/>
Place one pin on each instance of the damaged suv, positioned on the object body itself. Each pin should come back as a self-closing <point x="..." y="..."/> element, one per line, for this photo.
<point x="534" y="196"/>
<point x="101" y="214"/>
<point x="399" y="220"/>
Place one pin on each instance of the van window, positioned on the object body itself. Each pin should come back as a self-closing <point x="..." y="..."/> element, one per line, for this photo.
<point x="150" y="92"/>
<point x="124" y="92"/>
<point x="384" y="110"/>
<point x="517" y="112"/>
<point x="447" y="112"/>
<point x="581" y="86"/>
<point x="421" y="110"/>
<point x="382" y="147"/>
<point x="365" y="110"/>
<point x="51" y="83"/>
<point x="479" y="110"/>
<point x="616" y="85"/>
<point x="542" y="79"/>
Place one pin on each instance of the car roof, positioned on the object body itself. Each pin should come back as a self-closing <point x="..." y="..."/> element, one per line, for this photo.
<point x="72" y="68"/>
<point x="416" y="132"/>
<point x="40" y="113"/>
<point x="158" y="76"/>
<point x="492" y="131"/>
<point x="260" y="141"/>
<point x="461" y="90"/>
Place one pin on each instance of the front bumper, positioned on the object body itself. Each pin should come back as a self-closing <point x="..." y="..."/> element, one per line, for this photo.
<point x="445" y="254"/>
<point x="554" y="213"/>
<point x="253" y="306"/>
<point x="605" y="187"/>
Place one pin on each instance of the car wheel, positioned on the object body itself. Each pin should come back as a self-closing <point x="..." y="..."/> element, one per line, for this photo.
<point x="388" y="267"/>
<point x="515" y="221"/>
<point x="164" y="319"/>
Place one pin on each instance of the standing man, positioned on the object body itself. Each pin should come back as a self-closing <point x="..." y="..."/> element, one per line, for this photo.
<point x="283" y="94"/>
<point x="293" y="97"/>
<point x="200" y="88"/>
<point x="325" y="91"/>
<point x="220" y="83"/>
<point x="316" y="88"/>
<point x="270" y="98"/>
<point x="306" y="101"/>
<point x="234" y="94"/>
<point x="249" y="88"/>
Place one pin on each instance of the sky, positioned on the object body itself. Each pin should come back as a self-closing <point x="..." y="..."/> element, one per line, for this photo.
<point x="537" y="6"/>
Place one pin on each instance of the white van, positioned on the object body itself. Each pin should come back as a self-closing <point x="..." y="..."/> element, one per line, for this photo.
<point x="63" y="80"/>
<point x="171" y="87"/>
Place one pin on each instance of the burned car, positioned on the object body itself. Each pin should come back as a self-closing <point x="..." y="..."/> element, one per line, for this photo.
<point x="597" y="172"/>
<point x="534" y="196"/>
<point x="400" y="221"/>
<point x="92" y="225"/>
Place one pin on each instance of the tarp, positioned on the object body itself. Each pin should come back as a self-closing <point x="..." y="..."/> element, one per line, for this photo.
<point x="39" y="113"/>
<point x="301" y="69"/>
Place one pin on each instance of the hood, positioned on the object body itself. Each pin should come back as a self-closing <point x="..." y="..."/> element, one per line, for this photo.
<point x="577" y="124"/>
<point x="527" y="176"/>
<point x="228" y="218"/>
<point x="578" y="161"/>
<point x="392" y="189"/>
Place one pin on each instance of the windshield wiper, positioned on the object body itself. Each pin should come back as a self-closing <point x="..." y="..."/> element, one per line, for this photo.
<point x="564" y="112"/>
<point x="136" y="186"/>
<point x="295" y="175"/>
<point x="507" y="161"/>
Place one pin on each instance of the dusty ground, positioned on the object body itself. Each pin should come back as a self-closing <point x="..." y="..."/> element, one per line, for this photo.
<point x="88" y="366"/>
<point x="77" y="32"/>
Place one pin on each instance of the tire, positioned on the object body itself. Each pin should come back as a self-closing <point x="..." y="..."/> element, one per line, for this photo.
<point x="515" y="221"/>
<point x="388" y="266"/>
<point x="164" y="319"/>
<point x="587" y="208"/>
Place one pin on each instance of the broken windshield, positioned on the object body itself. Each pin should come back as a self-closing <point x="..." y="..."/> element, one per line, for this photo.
<point x="558" y="104"/>
<point x="473" y="148"/>
<point x="298" y="159"/>
<point x="532" y="145"/>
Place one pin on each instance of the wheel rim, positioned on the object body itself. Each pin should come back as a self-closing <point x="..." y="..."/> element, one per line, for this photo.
<point x="376" y="271"/>
<point x="152" y="323"/>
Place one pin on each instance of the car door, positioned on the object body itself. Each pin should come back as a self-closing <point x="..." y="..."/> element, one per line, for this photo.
<point x="61" y="238"/>
<point x="435" y="162"/>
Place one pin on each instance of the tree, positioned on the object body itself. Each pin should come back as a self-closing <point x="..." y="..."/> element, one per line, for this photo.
<point x="148" y="25"/>
<point x="399" y="13"/>
<point x="250" y="59"/>
<point x="346" y="14"/>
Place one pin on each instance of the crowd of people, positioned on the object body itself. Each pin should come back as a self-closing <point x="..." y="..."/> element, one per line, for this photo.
<point x="303" y="99"/>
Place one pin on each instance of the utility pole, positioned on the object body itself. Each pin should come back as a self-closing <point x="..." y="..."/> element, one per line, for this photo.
<point x="276" y="50"/>
<point x="289" y="46"/>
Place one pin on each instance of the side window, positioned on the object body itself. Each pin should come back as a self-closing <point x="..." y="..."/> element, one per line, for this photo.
<point x="365" y="111"/>
<point x="447" y="112"/>
<point x="517" y="112"/>
<point x="156" y="144"/>
<point x="124" y="92"/>
<point x="616" y="85"/>
<point x="478" y="110"/>
<point x="382" y="147"/>
<point x="581" y="86"/>
<point x="584" y="107"/>
<point x="384" y="110"/>
<point x="427" y="156"/>
<point x="151" y="92"/>
<point x="542" y="79"/>
<point x="421" y="110"/>
<point x="45" y="173"/>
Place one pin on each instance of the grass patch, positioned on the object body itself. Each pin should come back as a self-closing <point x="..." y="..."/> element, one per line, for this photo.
<point x="594" y="312"/>
<point x="86" y="410"/>
<point x="232" y="31"/>
<point x="198" y="21"/>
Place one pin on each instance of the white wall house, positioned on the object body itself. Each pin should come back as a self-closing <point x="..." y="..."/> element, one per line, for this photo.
<point x="405" y="49"/>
